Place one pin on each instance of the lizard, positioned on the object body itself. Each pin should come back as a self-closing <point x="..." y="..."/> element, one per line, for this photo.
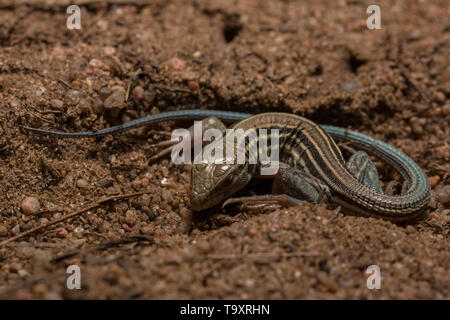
<point x="311" y="165"/>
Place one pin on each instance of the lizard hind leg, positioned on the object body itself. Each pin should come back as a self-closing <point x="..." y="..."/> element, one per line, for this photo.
<point x="363" y="169"/>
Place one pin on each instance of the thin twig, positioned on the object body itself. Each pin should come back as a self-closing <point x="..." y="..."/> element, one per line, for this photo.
<point x="409" y="79"/>
<point x="103" y="246"/>
<point x="127" y="95"/>
<point x="64" y="82"/>
<point x="336" y="212"/>
<point x="73" y="214"/>
<point x="172" y="89"/>
<point x="263" y="255"/>
<point x="34" y="114"/>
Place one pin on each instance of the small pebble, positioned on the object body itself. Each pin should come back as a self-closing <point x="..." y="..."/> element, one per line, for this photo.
<point x="97" y="106"/>
<point x="434" y="180"/>
<point x="443" y="194"/>
<point x="40" y="289"/>
<point x="83" y="184"/>
<point x="167" y="195"/>
<point x="109" y="51"/>
<point x="104" y="93"/>
<point x="76" y="84"/>
<point x="252" y="232"/>
<point x="15" y="230"/>
<point x="62" y="233"/>
<point x="126" y="227"/>
<point x="3" y="231"/>
<point x="414" y="35"/>
<point x="40" y="91"/>
<point x="249" y="283"/>
<point x="204" y="247"/>
<point x="145" y="182"/>
<point x="30" y="205"/>
<point x="439" y="97"/>
<point x="130" y="218"/>
<point x="148" y="230"/>
<point x="118" y="86"/>
<point x="78" y="230"/>
<point x="166" y="182"/>
<point x="95" y="63"/>
<point x="188" y="75"/>
<point x="57" y="51"/>
<point x="193" y="85"/>
<point x="15" y="267"/>
<point x="145" y="200"/>
<point x="176" y="64"/>
<point x="105" y="182"/>
<point x="56" y="103"/>
<point x="73" y="97"/>
<point x="417" y="129"/>
<point x="79" y="242"/>
<point x="114" y="103"/>
<point x="138" y="93"/>
<point x="350" y="86"/>
<point x="22" y="273"/>
<point x="445" y="110"/>
<point x="120" y="178"/>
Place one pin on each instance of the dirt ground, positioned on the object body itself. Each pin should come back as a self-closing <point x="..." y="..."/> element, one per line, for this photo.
<point x="131" y="59"/>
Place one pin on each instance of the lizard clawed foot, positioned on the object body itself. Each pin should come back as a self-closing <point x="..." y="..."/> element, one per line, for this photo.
<point x="264" y="202"/>
<point x="166" y="143"/>
<point x="161" y="133"/>
<point x="207" y="123"/>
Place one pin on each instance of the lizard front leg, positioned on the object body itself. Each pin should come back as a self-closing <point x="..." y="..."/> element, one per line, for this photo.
<point x="292" y="185"/>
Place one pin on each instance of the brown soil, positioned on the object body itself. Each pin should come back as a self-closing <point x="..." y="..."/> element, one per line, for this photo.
<point x="314" y="58"/>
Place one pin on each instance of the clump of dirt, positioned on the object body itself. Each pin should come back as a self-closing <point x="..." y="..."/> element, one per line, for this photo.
<point x="316" y="59"/>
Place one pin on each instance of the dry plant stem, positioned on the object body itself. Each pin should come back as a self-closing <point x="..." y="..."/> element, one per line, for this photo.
<point x="73" y="214"/>
<point x="262" y="255"/>
<point x="103" y="246"/>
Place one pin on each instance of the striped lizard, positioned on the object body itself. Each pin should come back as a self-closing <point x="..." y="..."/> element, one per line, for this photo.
<point x="311" y="165"/>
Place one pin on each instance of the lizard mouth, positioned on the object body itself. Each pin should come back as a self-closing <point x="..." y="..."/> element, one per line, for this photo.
<point x="202" y="201"/>
<point x="206" y="196"/>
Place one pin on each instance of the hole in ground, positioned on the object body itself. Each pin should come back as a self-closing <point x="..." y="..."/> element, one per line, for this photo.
<point x="354" y="63"/>
<point x="231" y="28"/>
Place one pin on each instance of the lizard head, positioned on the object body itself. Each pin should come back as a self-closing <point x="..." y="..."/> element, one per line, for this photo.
<point x="215" y="178"/>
